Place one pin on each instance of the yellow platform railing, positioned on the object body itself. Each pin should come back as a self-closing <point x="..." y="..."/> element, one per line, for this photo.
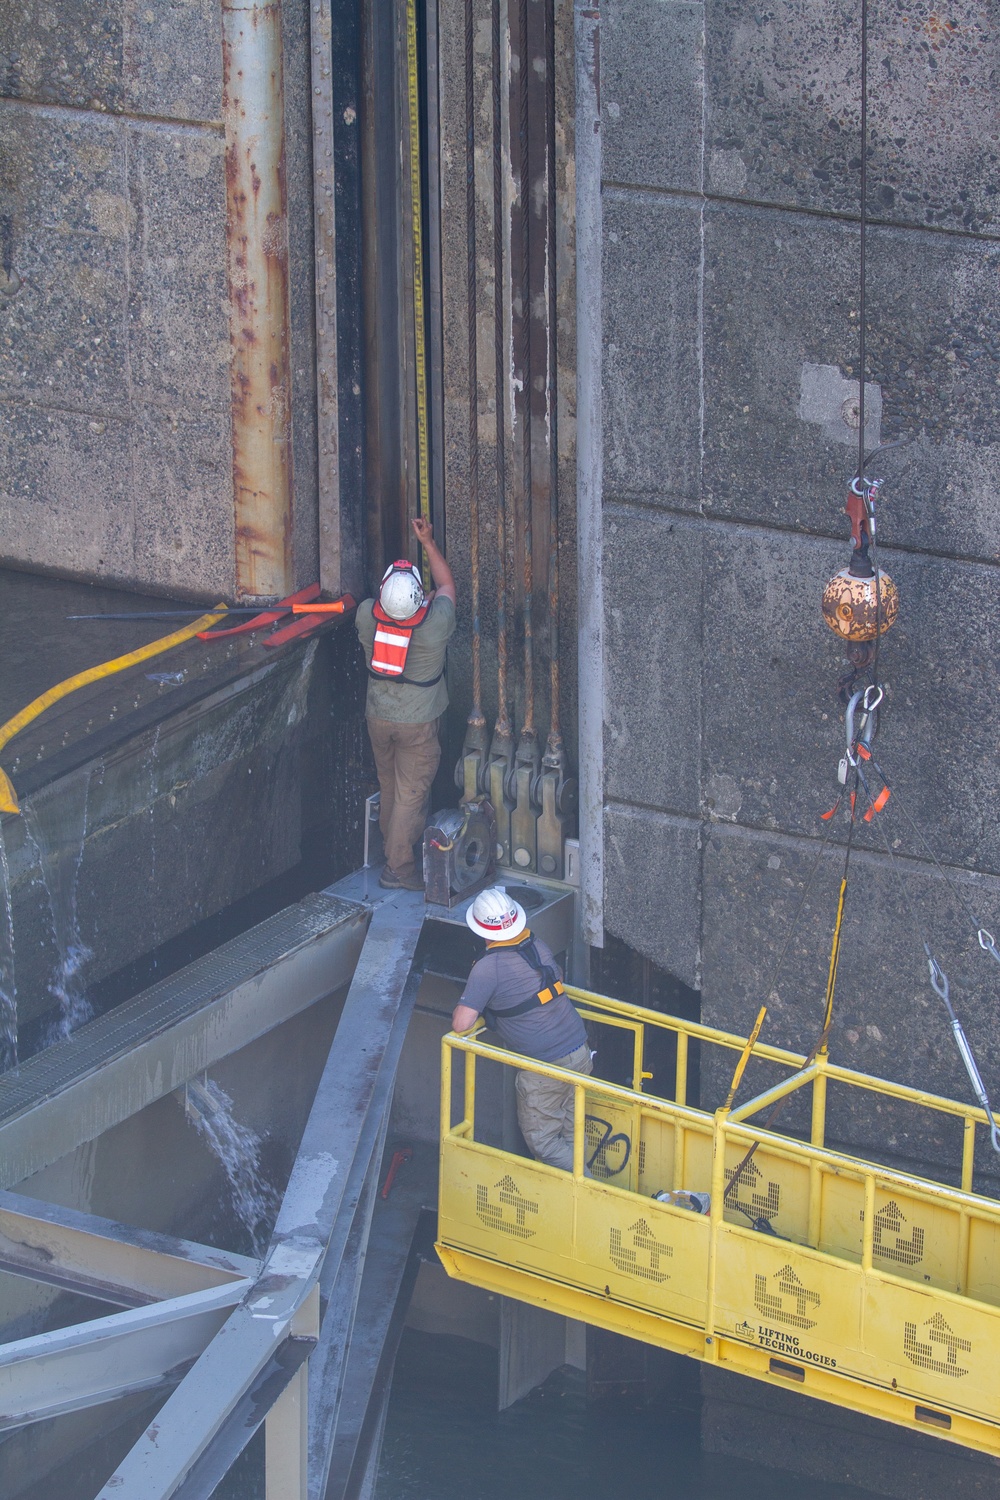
<point x="876" y="1289"/>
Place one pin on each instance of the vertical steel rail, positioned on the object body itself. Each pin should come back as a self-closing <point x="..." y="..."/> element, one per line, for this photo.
<point x="417" y="241"/>
<point x="435" y="291"/>
<point x="554" y="746"/>
<point x="522" y="397"/>
<point x="503" y="727"/>
<point x="589" y="479"/>
<point x="471" y="775"/>
<point x="257" y="249"/>
<point x="476" y="717"/>
<point x="525" y="273"/>
<point x="501" y="749"/>
<point x="325" y="257"/>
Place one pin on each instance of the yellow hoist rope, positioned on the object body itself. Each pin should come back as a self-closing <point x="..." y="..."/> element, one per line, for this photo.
<point x="419" y="324"/>
<point x="831" y="982"/>
<point x="751" y="1042"/>
<point x="8" y="797"/>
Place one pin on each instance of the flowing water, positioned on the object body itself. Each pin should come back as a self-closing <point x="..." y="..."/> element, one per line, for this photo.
<point x="8" y="988"/>
<point x="56" y="821"/>
<point x="237" y="1148"/>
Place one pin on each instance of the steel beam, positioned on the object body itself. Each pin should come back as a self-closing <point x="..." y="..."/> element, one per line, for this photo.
<point x="111" y="1262"/>
<point x="589" y="468"/>
<point x="253" y="112"/>
<point x="354" y="1090"/>
<point x="117" y="1065"/>
<point x="93" y="1362"/>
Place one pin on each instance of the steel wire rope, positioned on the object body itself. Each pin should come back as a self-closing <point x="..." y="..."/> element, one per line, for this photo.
<point x="527" y="519"/>
<point x="503" y="728"/>
<point x="553" y="748"/>
<point x="476" y="718"/>
<point x="940" y="985"/>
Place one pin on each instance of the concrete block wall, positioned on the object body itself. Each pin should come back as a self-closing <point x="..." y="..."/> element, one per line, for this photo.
<point x="115" y="434"/>
<point x="730" y="345"/>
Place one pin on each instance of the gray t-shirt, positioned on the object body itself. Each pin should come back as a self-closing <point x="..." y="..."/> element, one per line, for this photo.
<point x="400" y="702"/>
<point x="503" y="979"/>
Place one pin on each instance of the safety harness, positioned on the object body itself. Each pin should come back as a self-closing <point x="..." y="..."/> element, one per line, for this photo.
<point x="550" y="988"/>
<point x="391" y="645"/>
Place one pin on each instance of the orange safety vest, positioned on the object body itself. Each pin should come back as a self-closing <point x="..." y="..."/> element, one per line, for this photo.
<point x="391" y="644"/>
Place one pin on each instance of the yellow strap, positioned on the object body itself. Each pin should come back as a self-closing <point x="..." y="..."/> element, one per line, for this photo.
<point x="8" y="797"/>
<point x="751" y="1042"/>
<point x="831" y="981"/>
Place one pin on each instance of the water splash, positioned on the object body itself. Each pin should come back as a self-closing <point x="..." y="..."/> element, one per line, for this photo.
<point x="56" y="821"/>
<point x="237" y="1148"/>
<point x="154" y="790"/>
<point x="8" y="989"/>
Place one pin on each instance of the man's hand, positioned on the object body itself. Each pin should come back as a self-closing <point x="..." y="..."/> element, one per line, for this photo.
<point x="444" y="582"/>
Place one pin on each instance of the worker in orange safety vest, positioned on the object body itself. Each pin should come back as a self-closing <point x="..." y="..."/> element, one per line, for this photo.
<point x="404" y="634"/>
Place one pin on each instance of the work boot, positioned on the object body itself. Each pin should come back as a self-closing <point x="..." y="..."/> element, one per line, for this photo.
<point x="390" y="881"/>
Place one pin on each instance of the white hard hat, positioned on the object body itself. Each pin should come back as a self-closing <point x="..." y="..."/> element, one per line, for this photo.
<point x="401" y="592"/>
<point x="495" y="916"/>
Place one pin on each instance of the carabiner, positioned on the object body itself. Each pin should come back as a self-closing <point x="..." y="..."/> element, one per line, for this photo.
<point x="866" y="732"/>
<point x="987" y="943"/>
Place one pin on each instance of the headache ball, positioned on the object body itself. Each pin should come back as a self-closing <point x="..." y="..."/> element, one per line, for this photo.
<point x="851" y="605"/>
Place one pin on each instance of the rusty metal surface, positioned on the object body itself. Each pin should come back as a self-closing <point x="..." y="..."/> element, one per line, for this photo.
<point x="325" y="231"/>
<point x="476" y="715"/>
<point x="257" y="244"/>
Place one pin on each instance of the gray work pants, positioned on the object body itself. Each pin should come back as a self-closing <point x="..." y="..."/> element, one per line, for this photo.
<point x="545" y="1110"/>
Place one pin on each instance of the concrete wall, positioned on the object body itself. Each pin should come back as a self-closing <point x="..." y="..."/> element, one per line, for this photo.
<point x="731" y="243"/>
<point x="730" y="344"/>
<point x="115" y="434"/>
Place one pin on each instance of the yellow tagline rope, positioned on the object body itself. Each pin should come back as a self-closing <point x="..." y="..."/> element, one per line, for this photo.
<point x="8" y="797"/>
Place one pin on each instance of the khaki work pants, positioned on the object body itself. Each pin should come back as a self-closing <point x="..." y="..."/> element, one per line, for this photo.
<point x="545" y="1110"/>
<point x="406" y="758"/>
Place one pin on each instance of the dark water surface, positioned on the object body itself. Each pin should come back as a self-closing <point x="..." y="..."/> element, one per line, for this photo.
<point x="445" y="1440"/>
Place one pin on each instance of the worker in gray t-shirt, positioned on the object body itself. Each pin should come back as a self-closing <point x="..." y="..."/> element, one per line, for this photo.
<point x="517" y="988"/>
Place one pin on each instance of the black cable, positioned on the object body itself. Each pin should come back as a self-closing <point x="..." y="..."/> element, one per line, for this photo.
<point x="864" y="229"/>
